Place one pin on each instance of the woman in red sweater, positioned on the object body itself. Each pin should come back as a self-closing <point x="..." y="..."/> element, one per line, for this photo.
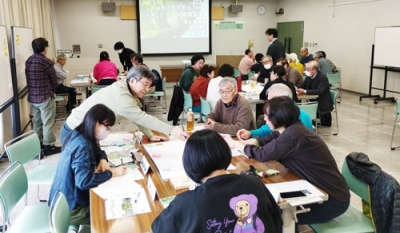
<point x="200" y="85"/>
<point x="105" y="71"/>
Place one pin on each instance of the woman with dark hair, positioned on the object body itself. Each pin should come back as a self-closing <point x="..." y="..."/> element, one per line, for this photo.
<point x="304" y="153"/>
<point x="200" y="85"/>
<point x="82" y="164"/>
<point x="277" y="76"/>
<point x="223" y="202"/>
<point x="105" y="71"/>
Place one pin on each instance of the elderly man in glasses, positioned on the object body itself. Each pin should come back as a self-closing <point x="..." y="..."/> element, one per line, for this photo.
<point x="232" y="112"/>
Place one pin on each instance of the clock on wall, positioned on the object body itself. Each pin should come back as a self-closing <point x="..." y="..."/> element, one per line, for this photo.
<point x="261" y="10"/>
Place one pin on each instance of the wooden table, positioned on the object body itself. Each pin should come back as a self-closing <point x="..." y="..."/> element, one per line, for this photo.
<point x="142" y="222"/>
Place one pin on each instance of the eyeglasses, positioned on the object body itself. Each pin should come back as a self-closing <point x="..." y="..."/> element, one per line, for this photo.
<point x="221" y="92"/>
<point x="145" y="85"/>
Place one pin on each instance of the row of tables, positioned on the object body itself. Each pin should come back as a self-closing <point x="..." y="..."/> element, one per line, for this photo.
<point x="142" y="222"/>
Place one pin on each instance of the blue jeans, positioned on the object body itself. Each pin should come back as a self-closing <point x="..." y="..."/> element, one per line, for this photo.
<point x="323" y="212"/>
<point x="44" y="116"/>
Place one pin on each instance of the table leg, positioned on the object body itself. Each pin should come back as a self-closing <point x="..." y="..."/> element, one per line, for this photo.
<point x="289" y="222"/>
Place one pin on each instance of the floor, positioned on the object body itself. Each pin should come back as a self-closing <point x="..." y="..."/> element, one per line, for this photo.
<point x="363" y="127"/>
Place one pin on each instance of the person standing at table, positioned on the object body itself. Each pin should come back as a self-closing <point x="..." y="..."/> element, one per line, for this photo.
<point x="105" y="71"/>
<point x="317" y="83"/>
<point x="42" y="83"/>
<point x="223" y="202"/>
<point x="304" y="153"/>
<point x="246" y="63"/>
<point x="191" y="72"/>
<point x="200" y="85"/>
<point x="122" y="97"/>
<point x="61" y="77"/>
<point x="83" y="165"/>
<point x="232" y="112"/>
<point x="276" y="49"/>
<point x="124" y="55"/>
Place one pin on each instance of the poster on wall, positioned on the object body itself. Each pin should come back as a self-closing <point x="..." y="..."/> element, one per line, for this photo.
<point x="21" y="51"/>
<point x="6" y="91"/>
<point x="226" y="25"/>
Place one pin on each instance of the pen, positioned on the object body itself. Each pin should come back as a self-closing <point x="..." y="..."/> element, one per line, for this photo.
<point x="253" y="169"/>
<point x="137" y="197"/>
<point x="122" y="161"/>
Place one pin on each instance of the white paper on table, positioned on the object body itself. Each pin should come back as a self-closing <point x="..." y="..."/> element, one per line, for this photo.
<point x="236" y="152"/>
<point x="313" y="195"/>
<point x="152" y="188"/>
<point x="128" y="205"/>
<point x="275" y="194"/>
<point x="119" y="186"/>
<point x="231" y="167"/>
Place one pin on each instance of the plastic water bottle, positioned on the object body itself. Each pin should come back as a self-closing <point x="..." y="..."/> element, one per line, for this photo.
<point x="190" y="120"/>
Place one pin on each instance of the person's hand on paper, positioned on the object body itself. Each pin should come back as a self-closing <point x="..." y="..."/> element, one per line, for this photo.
<point x="243" y="134"/>
<point x="118" y="171"/>
<point x="300" y="91"/>
<point x="177" y="132"/>
<point x="102" y="166"/>
<point x="156" y="138"/>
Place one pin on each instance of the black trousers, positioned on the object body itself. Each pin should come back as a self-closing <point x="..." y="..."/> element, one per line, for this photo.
<point x="326" y="119"/>
<point x="61" y="89"/>
<point x="107" y="81"/>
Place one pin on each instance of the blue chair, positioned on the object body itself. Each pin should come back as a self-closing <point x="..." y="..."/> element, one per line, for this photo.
<point x="205" y="108"/>
<point x="395" y="124"/>
<point x="13" y="186"/>
<point x="352" y="220"/>
<point x="311" y="108"/>
<point x="187" y="103"/>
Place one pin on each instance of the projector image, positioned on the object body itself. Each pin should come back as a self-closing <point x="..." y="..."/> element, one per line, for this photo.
<point x="236" y="8"/>
<point x="108" y="6"/>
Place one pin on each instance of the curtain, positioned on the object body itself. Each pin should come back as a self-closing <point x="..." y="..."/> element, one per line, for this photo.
<point x="35" y="14"/>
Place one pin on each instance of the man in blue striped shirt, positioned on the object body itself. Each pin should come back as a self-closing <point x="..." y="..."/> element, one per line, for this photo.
<point x="42" y="84"/>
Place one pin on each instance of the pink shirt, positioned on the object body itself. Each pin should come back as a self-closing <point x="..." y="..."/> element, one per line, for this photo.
<point x="105" y="69"/>
<point x="245" y="64"/>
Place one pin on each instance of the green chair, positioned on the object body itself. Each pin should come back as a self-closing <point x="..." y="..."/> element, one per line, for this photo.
<point x="334" y="81"/>
<point x="13" y="186"/>
<point x="161" y="94"/>
<point x="334" y="95"/>
<point x="311" y="108"/>
<point x="395" y="124"/>
<point x="236" y="73"/>
<point x="26" y="148"/>
<point x="59" y="216"/>
<point x="205" y="108"/>
<point x="251" y="74"/>
<point x="352" y="220"/>
<point x="97" y="88"/>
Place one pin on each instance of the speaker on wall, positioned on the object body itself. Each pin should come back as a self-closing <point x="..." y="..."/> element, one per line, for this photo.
<point x="108" y="6"/>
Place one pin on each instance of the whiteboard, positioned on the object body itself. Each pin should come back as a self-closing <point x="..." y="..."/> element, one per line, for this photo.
<point x="6" y="90"/>
<point x="387" y="49"/>
<point x="21" y="51"/>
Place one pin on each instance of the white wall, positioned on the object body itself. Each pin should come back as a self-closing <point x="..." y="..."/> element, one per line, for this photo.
<point x="82" y="22"/>
<point x="346" y="34"/>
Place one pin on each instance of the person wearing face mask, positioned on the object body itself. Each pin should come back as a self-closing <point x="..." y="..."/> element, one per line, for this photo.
<point x="124" y="55"/>
<point x="265" y="71"/>
<point x="277" y="74"/>
<point x="122" y="97"/>
<point x="83" y="165"/>
<point x="316" y="83"/>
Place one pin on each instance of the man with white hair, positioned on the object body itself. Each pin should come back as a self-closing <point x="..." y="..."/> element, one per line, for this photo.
<point x="294" y="62"/>
<point x="275" y="90"/>
<point x="232" y="112"/>
<point x="317" y="83"/>
<point x="62" y="74"/>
